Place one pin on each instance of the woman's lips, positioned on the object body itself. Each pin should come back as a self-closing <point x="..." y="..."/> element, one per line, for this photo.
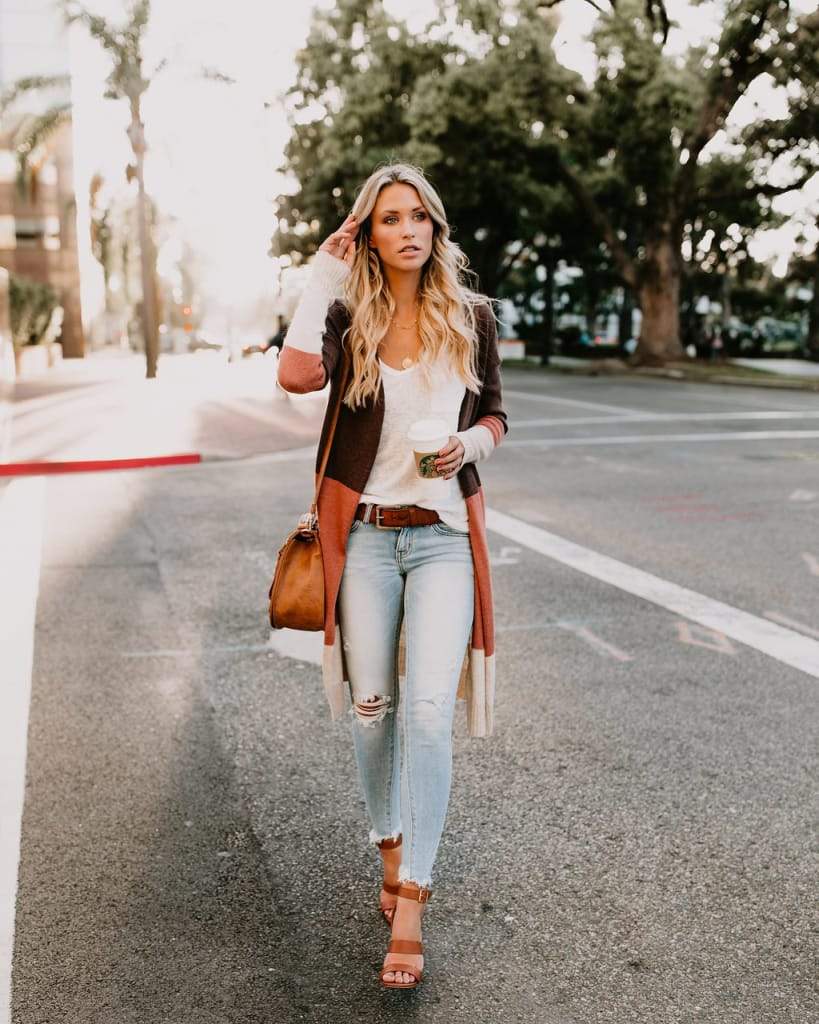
<point x="409" y="252"/>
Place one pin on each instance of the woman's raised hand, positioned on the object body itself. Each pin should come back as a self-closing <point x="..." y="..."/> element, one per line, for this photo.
<point x="341" y="243"/>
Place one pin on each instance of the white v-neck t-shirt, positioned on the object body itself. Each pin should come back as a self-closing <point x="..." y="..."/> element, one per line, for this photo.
<point x="393" y="478"/>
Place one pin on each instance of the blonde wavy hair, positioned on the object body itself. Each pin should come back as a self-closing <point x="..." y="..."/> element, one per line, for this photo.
<point x="446" y="315"/>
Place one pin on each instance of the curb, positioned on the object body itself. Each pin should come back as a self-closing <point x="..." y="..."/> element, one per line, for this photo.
<point x="670" y="373"/>
<point x="95" y="465"/>
<point x="786" y="384"/>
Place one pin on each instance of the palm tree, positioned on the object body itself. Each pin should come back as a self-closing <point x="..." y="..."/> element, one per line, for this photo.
<point x="29" y="133"/>
<point x="129" y="80"/>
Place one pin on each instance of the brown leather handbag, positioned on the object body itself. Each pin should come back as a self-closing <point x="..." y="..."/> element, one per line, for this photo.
<point x="296" y="595"/>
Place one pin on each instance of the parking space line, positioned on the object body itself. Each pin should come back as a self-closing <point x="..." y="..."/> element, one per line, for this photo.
<point x="785" y="645"/>
<point x="596" y="439"/>
<point x="22" y="508"/>
<point x="667" y="417"/>
<point x="800" y="627"/>
<point x="537" y="396"/>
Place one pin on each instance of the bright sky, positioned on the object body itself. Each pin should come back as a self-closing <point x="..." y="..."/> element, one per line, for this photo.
<point x="214" y="148"/>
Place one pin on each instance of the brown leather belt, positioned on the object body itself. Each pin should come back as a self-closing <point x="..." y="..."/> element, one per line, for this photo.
<point x="393" y="517"/>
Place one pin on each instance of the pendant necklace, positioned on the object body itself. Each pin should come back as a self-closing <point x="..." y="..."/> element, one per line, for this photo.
<point x="406" y="362"/>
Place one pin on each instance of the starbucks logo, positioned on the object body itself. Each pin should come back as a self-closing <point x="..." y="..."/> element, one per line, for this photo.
<point x="427" y="465"/>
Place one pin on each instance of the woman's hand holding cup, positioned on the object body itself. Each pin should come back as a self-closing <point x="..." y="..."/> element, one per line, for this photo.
<point x="450" y="458"/>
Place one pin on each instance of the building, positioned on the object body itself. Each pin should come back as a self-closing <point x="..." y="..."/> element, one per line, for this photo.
<point x="38" y="229"/>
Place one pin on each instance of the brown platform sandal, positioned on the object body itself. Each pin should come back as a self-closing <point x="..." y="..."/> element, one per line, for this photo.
<point x="412" y="892"/>
<point x="391" y="887"/>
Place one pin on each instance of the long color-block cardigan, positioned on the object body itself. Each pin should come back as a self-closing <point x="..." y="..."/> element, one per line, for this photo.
<point x="353" y="452"/>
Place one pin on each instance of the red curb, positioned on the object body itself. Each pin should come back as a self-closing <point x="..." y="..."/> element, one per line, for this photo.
<point x="94" y="466"/>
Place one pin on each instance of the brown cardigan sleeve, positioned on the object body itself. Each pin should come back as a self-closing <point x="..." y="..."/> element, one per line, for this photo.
<point x="490" y="402"/>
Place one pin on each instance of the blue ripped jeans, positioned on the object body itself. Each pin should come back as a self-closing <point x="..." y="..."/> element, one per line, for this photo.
<point x="427" y="570"/>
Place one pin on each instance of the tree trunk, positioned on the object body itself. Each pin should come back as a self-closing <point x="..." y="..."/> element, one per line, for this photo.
<point x="147" y="262"/>
<point x="624" y="318"/>
<point x="660" y="304"/>
<point x="725" y="301"/>
<point x="547" y="344"/>
<point x="813" y="313"/>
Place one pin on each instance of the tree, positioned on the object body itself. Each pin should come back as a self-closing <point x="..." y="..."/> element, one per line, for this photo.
<point x="29" y="132"/>
<point x="805" y="270"/>
<point x="368" y="92"/>
<point x="651" y="119"/>
<point x="129" y="80"/>
<point x="348" y="111"/>
<point x="516" y="141"/>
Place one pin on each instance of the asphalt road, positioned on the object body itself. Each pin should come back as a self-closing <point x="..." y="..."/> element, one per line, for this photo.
<point x="636" y="842"/>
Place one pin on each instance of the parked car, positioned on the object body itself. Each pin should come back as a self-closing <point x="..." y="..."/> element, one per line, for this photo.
<point x="739" y="338"/>
<point x="574" y="340"/>
<point x="779" y="338"/>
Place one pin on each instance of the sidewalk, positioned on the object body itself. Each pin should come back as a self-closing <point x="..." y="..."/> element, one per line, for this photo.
<point x="790" y="374"/>
<point x="199" y="406"/>
<point x="787" y="367"/>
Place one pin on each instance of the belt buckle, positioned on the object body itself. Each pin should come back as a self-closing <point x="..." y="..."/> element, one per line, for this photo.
<point x="378" y="516"/>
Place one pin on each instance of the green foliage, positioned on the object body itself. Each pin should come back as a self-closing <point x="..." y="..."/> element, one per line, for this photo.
<point x="535" y="165"/>
<point x="122" y="43"/>
<point x="28" y="132"/>
<point x="26" y="86"/>
<point x="368" y="92"/>
<point x="33" y="133"/>
<point x="32" y="305"/>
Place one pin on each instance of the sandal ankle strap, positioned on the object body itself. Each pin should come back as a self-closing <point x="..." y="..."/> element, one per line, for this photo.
<point x="405" y="946"/>
<point x="413" y="891"/>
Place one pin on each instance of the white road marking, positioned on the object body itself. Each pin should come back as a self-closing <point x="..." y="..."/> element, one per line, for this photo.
<point x="812" y="562"/>
<point x="540" y="397"/>
<point x="600" y="645"/>
<point x="745" y="435"/>
<point x="800" y="495"/>
<point x="798" y="626"/>
<point x="22" y="507"/>
<point x="785" y="645"/>
<point x="666" y="417"/>
<point x="298" y="644"/>
<point x="688" y="633"/>
<point x="504" y="557"/>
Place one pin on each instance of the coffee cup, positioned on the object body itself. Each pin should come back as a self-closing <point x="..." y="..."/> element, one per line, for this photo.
<point x="427" y="438"/>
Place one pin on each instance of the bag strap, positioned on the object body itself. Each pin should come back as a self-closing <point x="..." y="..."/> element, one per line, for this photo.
<point x="346" y="367"/>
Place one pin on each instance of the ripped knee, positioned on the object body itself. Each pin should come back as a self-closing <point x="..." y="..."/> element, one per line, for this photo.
<point x="371" y="710"/>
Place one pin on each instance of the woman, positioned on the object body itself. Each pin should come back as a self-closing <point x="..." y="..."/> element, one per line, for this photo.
<point x="403" y="554"/>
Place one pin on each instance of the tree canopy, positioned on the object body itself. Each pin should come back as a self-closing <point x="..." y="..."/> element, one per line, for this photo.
<point x="530" y="157"/>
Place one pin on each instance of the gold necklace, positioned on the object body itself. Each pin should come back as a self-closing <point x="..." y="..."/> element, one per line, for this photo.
<point x="406" y="362"/>
<point x="404" y="327"/>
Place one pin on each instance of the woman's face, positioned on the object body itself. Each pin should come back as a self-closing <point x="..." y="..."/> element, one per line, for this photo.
<point x="400" y="220"/>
